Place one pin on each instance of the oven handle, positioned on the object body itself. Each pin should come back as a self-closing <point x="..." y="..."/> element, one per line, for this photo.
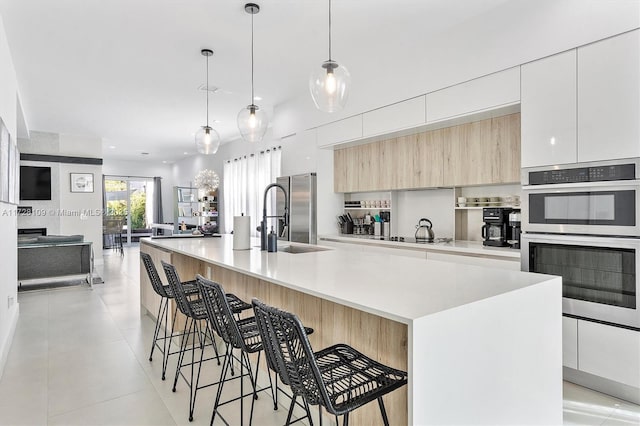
<point x="584" y="239"/>
<point x="610" y="183"/>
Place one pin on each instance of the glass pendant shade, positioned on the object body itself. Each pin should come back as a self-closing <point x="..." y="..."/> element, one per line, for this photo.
<point x="207" y="141"/>
<point x="329" y="85"/>
<point x="252" y="123"/>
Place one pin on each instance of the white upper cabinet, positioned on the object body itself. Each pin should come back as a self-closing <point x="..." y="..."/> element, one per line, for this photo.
<point x="609" y="98"/>
<point x="548" y="111"/>
<point x="402" y="115"/>
<point x="484" y="93"/>
<point x="340" y="131"/>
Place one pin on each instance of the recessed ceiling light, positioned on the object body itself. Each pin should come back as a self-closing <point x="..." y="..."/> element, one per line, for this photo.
<point x="112" y="147"/>
<point x="210" y="88"/>
<point x="164" y="161"/>
<point x="257" y="98"/>
<point x="185" y="153"/>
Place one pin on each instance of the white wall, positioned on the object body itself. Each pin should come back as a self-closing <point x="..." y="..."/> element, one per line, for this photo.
<point x="433" y="204"/>
<point x="8" y="242"/>
<point x="112" y="167"/>
<point x="67" y="212"/>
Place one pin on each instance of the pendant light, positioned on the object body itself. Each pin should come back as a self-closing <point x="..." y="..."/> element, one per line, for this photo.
<point x="207" y="139"/>
<point x="252" y="121"/>
<point x="329" y="83"/>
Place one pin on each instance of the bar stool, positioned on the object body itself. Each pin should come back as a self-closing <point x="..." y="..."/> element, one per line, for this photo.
<point x="238" y="334"/>
<point x="338" y="378"/>
<point x="165" y="292"/>
<point x="193" y="309"/>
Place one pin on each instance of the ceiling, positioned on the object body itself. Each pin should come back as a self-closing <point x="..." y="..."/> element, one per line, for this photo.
<point x="129" y="71"/>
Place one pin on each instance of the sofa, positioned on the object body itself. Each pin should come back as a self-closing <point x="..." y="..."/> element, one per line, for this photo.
<point x="47" y="256"/>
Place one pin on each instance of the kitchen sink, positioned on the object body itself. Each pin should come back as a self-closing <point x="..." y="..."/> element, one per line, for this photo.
<point x="301" y="249"/>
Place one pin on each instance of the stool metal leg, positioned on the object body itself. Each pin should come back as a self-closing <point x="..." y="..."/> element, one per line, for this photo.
<point x="161" y="308"/>
<point x="385" y="419"/>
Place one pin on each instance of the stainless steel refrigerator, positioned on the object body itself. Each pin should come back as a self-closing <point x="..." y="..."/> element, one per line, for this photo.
<point x="301" y="191"/>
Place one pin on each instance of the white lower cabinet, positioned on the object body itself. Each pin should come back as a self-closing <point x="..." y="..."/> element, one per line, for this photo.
<point x="473" y="260"/>
<point x="609" y="352"/>
<point x="570" y="342"/>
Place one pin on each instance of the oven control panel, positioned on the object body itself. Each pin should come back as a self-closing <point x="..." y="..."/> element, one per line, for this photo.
<point x="583" y="174"/>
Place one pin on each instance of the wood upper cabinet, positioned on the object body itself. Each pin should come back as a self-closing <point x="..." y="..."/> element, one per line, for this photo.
<point x="484" y="152"/>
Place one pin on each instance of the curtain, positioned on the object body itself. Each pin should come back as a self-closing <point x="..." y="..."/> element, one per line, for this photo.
<point x="157" y="200"/>
<point x="149" y="190"/>
<point x="245" y="179"/>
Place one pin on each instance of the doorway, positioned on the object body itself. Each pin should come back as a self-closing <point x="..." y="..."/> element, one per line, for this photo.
<point x="126" y="201"/>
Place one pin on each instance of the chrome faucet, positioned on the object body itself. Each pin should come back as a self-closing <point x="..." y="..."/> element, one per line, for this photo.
<point x="285" y="215"/>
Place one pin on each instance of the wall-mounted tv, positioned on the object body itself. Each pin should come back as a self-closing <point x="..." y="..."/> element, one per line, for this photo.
<point x="35" y="183"/>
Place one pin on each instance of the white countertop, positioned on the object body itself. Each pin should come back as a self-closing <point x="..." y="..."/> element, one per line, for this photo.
<point x="454" y="247"/>
<point x="396" y="287"/>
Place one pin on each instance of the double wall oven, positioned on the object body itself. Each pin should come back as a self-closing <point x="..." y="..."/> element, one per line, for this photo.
<point x="581" y="222"/>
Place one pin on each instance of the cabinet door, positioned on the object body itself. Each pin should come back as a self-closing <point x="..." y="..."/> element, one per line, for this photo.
<point x="346" y="169"/>
<point x="609" y="352"/>
<point x="484" y="93"/>
<point x="368" y="167"/>
<point x="609" y="98"/>
<point x="402" y="115"/>
<point x="549" y="111"/>
<point x="484" y="152"/>
<point x="570" y="342"/>
<point x="340" y="131"/>
<point x="505" y="137"/>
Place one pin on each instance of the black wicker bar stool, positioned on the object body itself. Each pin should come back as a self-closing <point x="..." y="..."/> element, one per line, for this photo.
<point x="338" y="378"/>
<point x="194" y="311"/>
<point x="239" y="334"/>
<point x="165" y="292"/>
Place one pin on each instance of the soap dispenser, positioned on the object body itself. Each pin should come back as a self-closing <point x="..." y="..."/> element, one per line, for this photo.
<point x="272" y="241"/>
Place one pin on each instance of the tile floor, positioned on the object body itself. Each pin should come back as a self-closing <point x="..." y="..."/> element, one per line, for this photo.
<point x="80" y="357"/>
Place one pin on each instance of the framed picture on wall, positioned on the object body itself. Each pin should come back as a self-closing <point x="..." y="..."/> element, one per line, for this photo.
<point x="81" y="182"/>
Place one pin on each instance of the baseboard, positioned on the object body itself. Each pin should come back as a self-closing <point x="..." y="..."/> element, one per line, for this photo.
<point x="600" y="384"/>
<point x="5" y="346"/>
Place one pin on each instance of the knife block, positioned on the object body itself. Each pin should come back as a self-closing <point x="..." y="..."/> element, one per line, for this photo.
<point x="347" y="228"/>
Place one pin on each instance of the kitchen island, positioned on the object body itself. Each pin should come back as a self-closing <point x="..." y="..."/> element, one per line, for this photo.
<point x="480" y="345"/>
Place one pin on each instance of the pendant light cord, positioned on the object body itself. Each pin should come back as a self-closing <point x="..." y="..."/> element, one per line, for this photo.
<point x="207" y="90"/>
<point x="252" y="94"/>
<point x="329" y="29"/>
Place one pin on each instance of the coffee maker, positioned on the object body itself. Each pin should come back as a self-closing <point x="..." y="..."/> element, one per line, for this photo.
<point x="515" y="230"/>
<point x="496" y="230"/>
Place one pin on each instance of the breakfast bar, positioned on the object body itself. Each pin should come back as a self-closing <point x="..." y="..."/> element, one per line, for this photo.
<point x="468" y="336"/>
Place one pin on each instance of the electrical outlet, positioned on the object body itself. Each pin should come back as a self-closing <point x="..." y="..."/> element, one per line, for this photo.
<point x="10" y="301"/>
<point x="208" y="272"/>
